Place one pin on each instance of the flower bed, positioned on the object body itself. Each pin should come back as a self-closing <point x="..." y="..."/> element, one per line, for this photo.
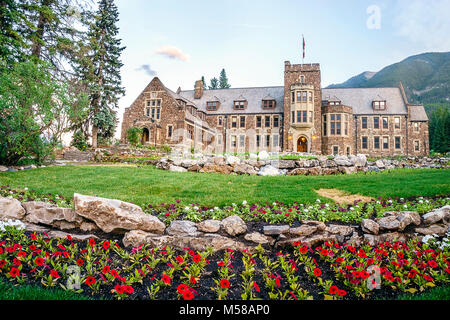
<point x="103" y="269"/>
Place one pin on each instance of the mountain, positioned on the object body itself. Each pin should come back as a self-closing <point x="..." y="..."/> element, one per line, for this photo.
<point x="425" y="77"/>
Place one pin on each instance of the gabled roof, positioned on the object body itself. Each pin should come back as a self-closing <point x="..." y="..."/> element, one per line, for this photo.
<point x="417" y="113"/>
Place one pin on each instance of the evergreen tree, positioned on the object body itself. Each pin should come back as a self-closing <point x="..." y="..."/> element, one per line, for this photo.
<point x="99" y="66"/>
<point x="214" y="84"/>
<point x="223" y="80"/>
<point x="204" y="82"/>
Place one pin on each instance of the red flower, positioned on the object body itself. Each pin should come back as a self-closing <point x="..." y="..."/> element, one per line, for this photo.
<point x="33" y="236"/>
<point x="333" y="290"/>
<point x="69" y="237"/>
<point x="351" y="249"/>
<point x="224" y="283"/>
<point x="303" y="249"/>
<point x="432" y="263"/>
<point x="362" y="253"/>
<point x="17" y="262"/>
<point x="342" y="293"/>
<point x="277" y="281"/>
<point x="317" y="272"/>
<point x="54" y="274"/>
<point x="339" y="259"/>
<point x="106" y="245"/>
<point x="89" y="281"/>
<point x="119" y="289"/>
<point x="427" y="278"/>
<point x="197" y="258"/>
<point x="39" y="261"/>
<point x="128" y="289"/>
<point x="105" y="269"/>
<point x="400" y="255"/>
<point x="412" y="273"/>
<point x="92" y="242"/>
<point x="179" y="259"/>
<point x="182" y="288"/>
<point x="324" y="252"/>
<point x="193" y="280"/>
<point x="14" y="272"/>
<point x="80" y="262"/>
<point x="21" y="254"/>
<point x="255" y="285"/>
<point x="188" y="295"/>
<point x="114" y="273"/>
<point x="2" y="263"/>
<point x="166" y="279"/>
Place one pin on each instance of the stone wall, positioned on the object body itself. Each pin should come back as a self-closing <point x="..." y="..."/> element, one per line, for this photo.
<point x="118" y="218"/>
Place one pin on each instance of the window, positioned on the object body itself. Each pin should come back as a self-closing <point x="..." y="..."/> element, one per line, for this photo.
<point x="302" y="79"/>
<point x="376" y="123"/>
<point x="324" y="124"/>
<point x="268" y="104"/>
<point x="190" y="132"/>
<point x="376" y="142"/>
<point x="310" y="96"/>
<point x="242" y="122"/>
<point x="153" y="108"/>
<point x="234" y="122"/>
<point x="299" y="96"/>
<point x="348" y="151"/>
<point x="304" y="96"/>
<point x="385" y="142"/>
<point x="397" y="123"/>
<point x="293" y="96"/>
<point x="397" y="143"/>
<point x="385" y="123"/>
<point x="379" y="105"/>
<point x="219" y="139"/>
<point x="364" y="122"/>
<point x="267" y="122"/>
<point x="338" y="124"/>
<point x="276" y="139"/>
<point x="310" y="117"/>
<point x="239" y="105"/>
<point x="267" y="141"/>
<point x="335" y="124"/>
<point x="305" y="114"/>
<point x="147" y="112"/>
<point x="233" y="141"/>
<point x="335" y="150"/>
<point x="293" y="117"/>
<point x="169" y="131"/>
<point x="242" y="141"/>
<point x="258" y="121"/>
<point x="364" y="142"/>
<point x="299" y="116"/>
<point x="416" y="127"/>
<point x="416" y="145"/>
<point x="212" y="105"/>
<point x="258" y="141"/>
<point x="276" y="121"/>
<point x="220" y="121"/>
<point x="346" y="125"/>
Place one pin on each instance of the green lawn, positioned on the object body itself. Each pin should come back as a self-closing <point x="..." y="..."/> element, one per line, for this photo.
<point x="150" y="185"/>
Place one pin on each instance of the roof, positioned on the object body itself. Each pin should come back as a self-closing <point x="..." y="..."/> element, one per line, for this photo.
<point x="360" y="99"/>
<point x="254" y="97"/>
<point x="417" y="113"/>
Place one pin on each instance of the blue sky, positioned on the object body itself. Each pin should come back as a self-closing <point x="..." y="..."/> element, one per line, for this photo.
<point x="179" y="41"/>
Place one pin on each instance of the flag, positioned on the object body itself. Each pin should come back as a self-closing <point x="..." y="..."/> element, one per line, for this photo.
<point x="304" y="47"/>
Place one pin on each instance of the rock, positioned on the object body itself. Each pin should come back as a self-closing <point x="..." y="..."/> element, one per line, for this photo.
<point x="388" y="223"/>
<point x="440" y="230"/>
<point x="88" y="226"/>
<point x="380" y="164"/>
<point x="194" y="168"/>
<point x="306" y="171"/>
<point x="177" y="169"/>
<point x="232" y="160"/>
<point x="11" y="209"/>
<point x="329" y="171"/>
<point x="259" y="238"/>
<point x="348" y="170"/>
<point x="234" y="225"/>
<point x="76" y="237"/>
<point x="370" y="226"/>
<point x="209" y="226"/>
<point x="342" y="160"/>
<point x="373" y="168"/>
<point x="186" y="163"/>
<point x="309" y="240"/>
<point x="253" y="156"/>
<point x="182" y="227"/>
<point x="303" y="230"/>
<point x="115" y="215"/>
<point x="49" y="214"/>
<point x="275" y="230"/>
<point x="339" y="229"/>
<point x="406" y="218"/>
<point x="210" y="168"/>
<point x="373" y="240"/>
<point x="244" y="168"/>
<point x="219" y="160"/>
<point x="284" y="164"/>
<point x="269" y="170"/>
<point x="321" y="226"/>
<point x="3" y="169"/>
<point x="437" y="215"/>
<point x="355" y="240"/>
<point x="263" y="155"/>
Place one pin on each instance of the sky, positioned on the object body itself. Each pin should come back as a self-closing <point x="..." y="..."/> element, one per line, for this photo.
<point x="180" y="41"/>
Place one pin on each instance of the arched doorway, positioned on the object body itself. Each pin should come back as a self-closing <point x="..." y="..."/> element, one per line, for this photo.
<point x="145" y="136"/>
<point x="302" y="144"/>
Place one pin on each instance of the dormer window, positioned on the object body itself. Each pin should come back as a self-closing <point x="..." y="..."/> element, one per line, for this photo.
<point x="379" y="105"/>
<point x="268" y="104"/>
<point x="334" y="103"/>
<point x="212" y="105"/>
<point x="240" y="104"/>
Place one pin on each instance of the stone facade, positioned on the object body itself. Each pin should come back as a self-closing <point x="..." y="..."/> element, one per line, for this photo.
<point x="300" y="116"/>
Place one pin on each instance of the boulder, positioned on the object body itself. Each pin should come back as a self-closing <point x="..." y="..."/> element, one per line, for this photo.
<point x="406" y="218"/>
<point x="303" y="230"/>
<point x="258" y="238"/>
<point x="209" y="226"/>
<point x="309" y="240"/>
<point x="11" y="209"/>
<point x="438" y="229"/>
<point x="219" y="160"/>
<point x="234" y="225"/>
<point x="3" y="169"/>
<point x="115" y="215"/>
<point x="321" y="226"/>
<point x="275" y="230"/>
<point x="339" y="230"/>
<point x="50" y="214"/>
<point x="370" y="226"/>
<point x="437" y="215"/>
<point x="270" y="170"/>
<point x="194" y="168"/>
<point x="263" y="155"/>
<point x="182" y="227"/>
<point x="388" y="223"/>
<point x="177" y="169"/>
<point x="211" y="168"/>
<point x="232" y="160"/>
<point x="342" y="160"/>
<point x="244" y="168"/>
<point x="380" y="164"/>
<point x="284" y="164"/>
<point x="348" y="170"/>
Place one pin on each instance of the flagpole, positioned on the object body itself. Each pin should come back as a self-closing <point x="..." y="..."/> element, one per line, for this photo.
<point x="303" y="46"/>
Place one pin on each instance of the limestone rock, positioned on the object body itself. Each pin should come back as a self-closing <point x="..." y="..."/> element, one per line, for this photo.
<point x="209" y="226"/>
<point x="303" y="230"/>
<point x="11" y="209"/>
<point x="234" y="225"/>
<point x="232" y="160"/>
<point x="177" y="169"/>
<point x="209" y="168"/>
<point x="49" y="214"/>
<point x="321" y="226"/>
<point x="406" y="218"/>
<point x="440" y="230"/>
<point x="182" y="227"/>
<point x="275" y="230"/>
<point x="370" y="226"/>
<point x="263" y="155"/>
<point x="244" y="168"/>
<point x="342" y="160"/>
<point x="259" y="238"/>
<point x="3" y="169"/>
<point x="115" y="215"/>
<point x="388" y="223"/>
<point x="270" y="170"/>
<point x="380" y="164"/>
<point x="437" y="215"/>
<point x="339" y="229"/>
<point x="284" y="164"/>
<point x="309" y="240"/>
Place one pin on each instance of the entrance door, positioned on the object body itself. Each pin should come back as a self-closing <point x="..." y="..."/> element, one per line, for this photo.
<point x="145" y="136"/>
<point x="302" y="144"/>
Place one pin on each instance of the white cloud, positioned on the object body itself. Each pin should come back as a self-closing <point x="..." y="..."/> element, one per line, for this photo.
<point x="426" y="23"/>
<point x="147" y="69"/>
<point x="173" y="53"/>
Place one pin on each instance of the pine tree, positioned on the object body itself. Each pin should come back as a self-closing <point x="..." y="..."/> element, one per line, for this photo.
<point x="204" y="82"/>
<point x="214" y="84"/>
<point x="223" y="80"/>
<point x="99" y="67"/>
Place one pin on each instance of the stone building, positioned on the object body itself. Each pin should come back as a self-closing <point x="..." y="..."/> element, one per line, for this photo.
<point x="300" y="116"/>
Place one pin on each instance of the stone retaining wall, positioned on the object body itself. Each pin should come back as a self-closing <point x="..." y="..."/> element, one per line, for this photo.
<point x="118" y="218"/>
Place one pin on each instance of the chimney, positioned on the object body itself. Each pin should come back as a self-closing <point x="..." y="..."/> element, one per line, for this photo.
<point x="198" y="89"/>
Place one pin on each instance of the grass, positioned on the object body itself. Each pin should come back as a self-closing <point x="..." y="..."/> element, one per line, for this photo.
<point x="34" y="292"/>
<point x="150" y="185"/>
<point x="437" y="293"/>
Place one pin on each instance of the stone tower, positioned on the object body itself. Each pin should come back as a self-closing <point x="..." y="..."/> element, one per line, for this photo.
<point x="302" y="108"/>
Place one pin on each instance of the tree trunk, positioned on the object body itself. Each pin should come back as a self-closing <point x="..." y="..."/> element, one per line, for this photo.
<point x="94" y="137"/>
<point x="36" y="49"/>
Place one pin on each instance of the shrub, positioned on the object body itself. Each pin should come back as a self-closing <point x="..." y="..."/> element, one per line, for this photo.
<point x="79" y="141"/>
<point x="134" y="135"/>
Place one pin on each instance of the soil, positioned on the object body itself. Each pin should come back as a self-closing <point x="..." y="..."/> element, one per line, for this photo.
<point x="340" y="196"/>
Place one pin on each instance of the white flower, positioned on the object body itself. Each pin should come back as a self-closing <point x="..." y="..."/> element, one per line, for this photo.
<point x="26" y="189"/>
<point x="378" y="202"/>
<point x="244" y="202"/>
<point x="405" y="206"/>
<point x="195" y="208"/>
<point x="216" y="208"/>
<point x="306" y="210"/>
<point x="310" y="207"/>
<point x="327" y="205"/>
<point x="186" y="208"/>
<point x="351" y="208"/>
<point x="318" y="200"/>
<point x="274" y="204"/>
<point x="420" y="201"/>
